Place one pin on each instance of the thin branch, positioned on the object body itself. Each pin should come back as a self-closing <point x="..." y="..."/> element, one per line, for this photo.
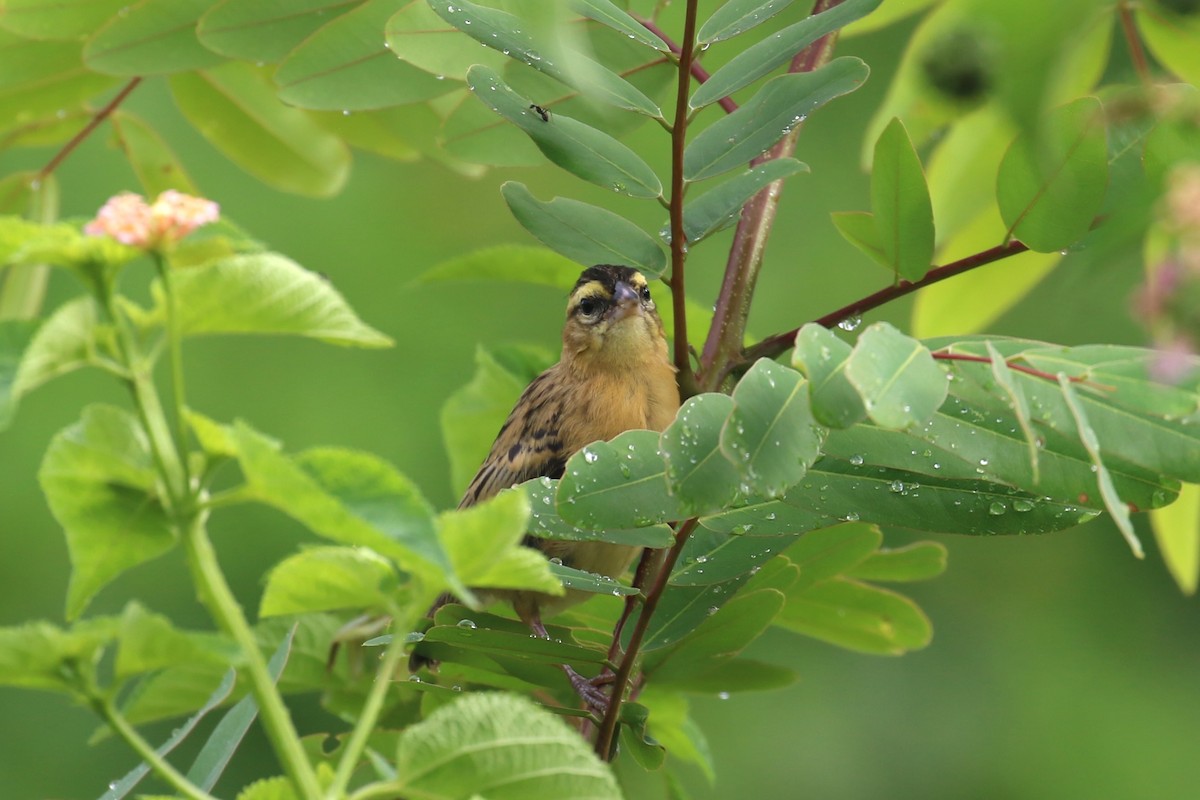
<point x="678" y="239"/>
<point x="1137" y="53"/>
<point x="86" y="131"/>
<point x="1037" y="373"/>
<point x="780" y="342"/>
<point x="723" y="346"/>
<point x="608" y="727"/>
<point x="698" y="72"/>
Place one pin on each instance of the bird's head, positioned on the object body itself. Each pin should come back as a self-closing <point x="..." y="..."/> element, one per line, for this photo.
<point x="611" y="319"/>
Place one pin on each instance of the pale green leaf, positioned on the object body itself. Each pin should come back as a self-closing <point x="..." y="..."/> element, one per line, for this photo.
<point x="897" y="378"/>
<point x="1177" y="531"/>
<point x="153" y="37"/>
<point x="327" y="579"/>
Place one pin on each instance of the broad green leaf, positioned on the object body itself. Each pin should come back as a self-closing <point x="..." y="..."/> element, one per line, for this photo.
<point x="620" y="483"/>
<point x="900" y="205"/>
<point x="234" y="106"/>
<point x="153" y="37"/>
<point x="1017" y="402"/>
<point x="386" y="132"/>
<point x="349" y="497"/>
<point x="482" y="543"/>
<point x="101" y="486"/>
<point x="1108" y="493"/>
<point x="827" y="553"/>
<point x="216" y="440"/>
<point x="545" y="523"/>
<point x="712" y="557"/>
<point x="266" y="293"/>
<point x="1177" y="531"/>
<point x="782" y="104"/>
<point x="738" y="16"/>
<point x="771" y="436"/>
<point x="585" y="233"/>
<point x="698" y="474"/>
<point x="466" y="749"/>
<point x="1171" y="38"/>
<point x="347" y="66"/>
<point x="1051" y="187"/>
<point x="278" y="788"/>
<point x="150" y="642"/>
<point x="236" y="28"/>
<point x="580" y="581"/>
<point x="885" y="16"/>
<point x="635" y="738"/>
<point x="474" y="133"/>
<point x="867" y="443"/>
<point x="671" y="725"/>
<point x="419" y="36"/>
<point x="915" y="562"/>
<point x="732" y="677"/>
<point x="509" y="644"/>
<point x="33" y="654"/>
<point x="507" y="262"/>
<point x="39" y="79"/>
<point x="23" y="286"/>
<point x="609" y="14"/>
<point x="761" y="58"/>
<point x="720" y="207"/>
<point x="896" y="376"/>
<point x="856" y="616"/>
<point x="718" y="639"/>
<point x="327" y="579"/>
<point x="151" y="158"/>
<point x="502" y="31"/>
<point x="859" y="229"/>
<point x="227" y="735"/>
<point x="473" y="414"/>
<point x="580" y="149"/>
<point x="66" y="20"/>
<point x="821" y="357"/>
<point x="15" y="337"/>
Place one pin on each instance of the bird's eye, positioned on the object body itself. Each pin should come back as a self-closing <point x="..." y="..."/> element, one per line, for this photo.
<point x="645" y="294"/>
<point x="589" y="306"/>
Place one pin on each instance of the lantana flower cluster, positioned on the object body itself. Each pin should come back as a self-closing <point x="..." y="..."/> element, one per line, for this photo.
<point x="129" y="219"/>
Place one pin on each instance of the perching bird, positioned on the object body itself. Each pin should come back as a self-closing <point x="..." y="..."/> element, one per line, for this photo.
<point x="614" y="375"/>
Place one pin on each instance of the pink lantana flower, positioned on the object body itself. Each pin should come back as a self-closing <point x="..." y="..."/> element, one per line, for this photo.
<point x="127" y="218"/>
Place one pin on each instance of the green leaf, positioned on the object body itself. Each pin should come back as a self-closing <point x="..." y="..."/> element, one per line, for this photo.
<point x="15" y="336"/>
<point x="326" y="579"/>
<point x="620" y="483"/>
<point x="419" y="36"/>
<point x="585" y="233"/>
<point x="227" y="736"/>
<point x="150" y="642"/>
<point x="782" y="104"/>
<point x="482" y="543"/>
<point x="672" y="726"/>
<point x="154" y="37"/>
<point x="235" y="28"/>
<point x="38" y="655"/>
<point x="827" y="553"/>
<point x="277" y="788"/>
<point x="607" y="13"/>
<point x="346" y="66"/>
<point x="1108" y="492"/>
<point x="856" y="616"/>
<point x="916" y="562"/>
<point x="581" y="581"/>
<point x="1171" y="38"/>
<point x="501" y="746"/>
<point x="38" y="79"/>
<point x="1177" y="531"/>
<point x="1050" y="188"/>
<point x="545" y="523"/>
<point x="506" y="262"/>
<point x="759" y="59"/>
<point x="896" y="376"/>
<point x="771" y="436"/>
<point x="738" y="16"/>
<point x="518" y="645"/>
<point x="234" y="106"/>
<point x="155" y="164"/>
<point x="66" y="20"/>
<point x="718" y="639"/>
<point x="720" y="207"/>
<point x="821" y="357"/>
<point x="902" y="211"/>
<point x="636" y="739"/>
<point x="502" y="31"/>
<point x="859" y="229"/>
<point x="734" y="676"/>
<point x="388" y="132"/>
<point x="1017" y="402"/>
<point x="698" y="474"/>
<point x="580" y="149"/>
<point x="265" y="293"/>
<point x="101" y="486"/>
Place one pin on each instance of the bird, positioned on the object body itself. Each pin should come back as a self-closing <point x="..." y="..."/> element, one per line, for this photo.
<point x="614" y="375"/>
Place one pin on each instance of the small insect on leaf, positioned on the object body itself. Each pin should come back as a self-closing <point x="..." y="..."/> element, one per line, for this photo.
<point x="544" y="113"/>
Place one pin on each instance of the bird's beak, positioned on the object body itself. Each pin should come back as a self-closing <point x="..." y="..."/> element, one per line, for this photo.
<point x="626" y="300"/>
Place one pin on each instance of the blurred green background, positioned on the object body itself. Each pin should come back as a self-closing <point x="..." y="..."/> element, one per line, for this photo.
<point x="1061" y="666"/>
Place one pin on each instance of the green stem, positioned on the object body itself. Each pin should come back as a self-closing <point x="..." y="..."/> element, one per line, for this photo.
<point x="160" y="765"/>
<point x="216" y="594"/>
<point x="175" y="356"/>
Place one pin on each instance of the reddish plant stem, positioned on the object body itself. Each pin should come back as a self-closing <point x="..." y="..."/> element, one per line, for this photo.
<point x="780" y="342"/>
<point x="1037" y="373"/>
<point x="1137" y="54"/>
<point x="608" y="726"/>
<point x="678" y="239"/>
<point x="698" y="72"/>
<point x="723" y="347"/>
<point x="86" y="131"/>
